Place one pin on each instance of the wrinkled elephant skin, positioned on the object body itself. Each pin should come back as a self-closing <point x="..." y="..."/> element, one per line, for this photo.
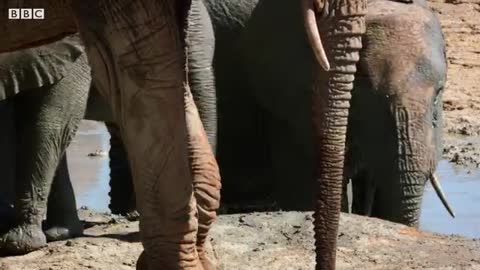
<point x="47" y="90"/>
<point x="138" y="60"/>
<point x="396" y="114"/>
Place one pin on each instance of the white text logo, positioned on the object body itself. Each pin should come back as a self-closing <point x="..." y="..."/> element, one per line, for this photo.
<point x="26" y="13"/>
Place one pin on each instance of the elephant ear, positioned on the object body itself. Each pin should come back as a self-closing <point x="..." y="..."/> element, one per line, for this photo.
<point x="36" y="67"/>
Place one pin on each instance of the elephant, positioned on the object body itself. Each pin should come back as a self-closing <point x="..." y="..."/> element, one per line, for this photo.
<point x="374" y="135"/>
<point x="395" y="131"/>
<point x="43" y="94"/>
<point x="137" y="55"/>
<point x="264" y="106"/>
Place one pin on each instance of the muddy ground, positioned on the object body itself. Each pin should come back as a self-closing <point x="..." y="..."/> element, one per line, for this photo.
<point x="267" y="241"/>
<point x="285" y="240"/>
<point x="460" y="20"/>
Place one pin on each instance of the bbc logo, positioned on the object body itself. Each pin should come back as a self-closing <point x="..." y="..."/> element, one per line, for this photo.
<point x="26" y="13"/>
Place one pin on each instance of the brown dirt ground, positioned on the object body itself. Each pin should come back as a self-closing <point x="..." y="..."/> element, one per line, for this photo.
<point x="266" y="241"/>
<point x="460" y="21"/>
<point x="284" y="240"/>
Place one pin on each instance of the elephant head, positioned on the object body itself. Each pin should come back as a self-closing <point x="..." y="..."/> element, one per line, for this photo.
<point x="397" y="112"/>
<point x="340" y="24"/>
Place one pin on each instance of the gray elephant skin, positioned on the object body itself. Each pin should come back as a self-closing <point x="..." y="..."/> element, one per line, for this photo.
<point x="50" y="62"/>
<point x="44" y="92"/>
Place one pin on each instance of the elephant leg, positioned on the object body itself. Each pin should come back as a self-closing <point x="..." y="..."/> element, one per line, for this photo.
<point x="7" y="163"/>
<point x="206" y="176"/>
<point x="46" y="120"/>
<point x="62" y="218"/>
<point x="201" y="44"/>
<point x="122" y="194"/>
<point x="137" y="55"/>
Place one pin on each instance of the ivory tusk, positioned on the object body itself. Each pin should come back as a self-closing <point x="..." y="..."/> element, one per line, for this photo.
<point x="438" y="190"/>
<point x="313" y="35"/>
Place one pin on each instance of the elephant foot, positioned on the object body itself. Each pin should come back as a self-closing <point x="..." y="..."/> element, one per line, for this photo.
<point x="61" y="232"/>
<point x="142" y="264"/>
<point x="206" y="262"/>
<point x="22" y="239"/>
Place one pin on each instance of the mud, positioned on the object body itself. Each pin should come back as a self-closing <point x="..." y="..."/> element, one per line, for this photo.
<point x="270" y="241"/>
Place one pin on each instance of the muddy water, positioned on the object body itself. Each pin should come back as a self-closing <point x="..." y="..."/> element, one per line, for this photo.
<point x="90" y="180"/>
<point x="90" y="175"/>
<point x="462" y="188"/>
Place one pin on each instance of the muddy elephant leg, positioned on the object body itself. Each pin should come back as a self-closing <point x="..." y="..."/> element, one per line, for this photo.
<point x="122" y="194"/>
<point x="46" y="120"/>
<point x="7" y="163"/>
<point x="206" y="176"/>
<point x="62" y="218"/>
<point x="138" y="59"/>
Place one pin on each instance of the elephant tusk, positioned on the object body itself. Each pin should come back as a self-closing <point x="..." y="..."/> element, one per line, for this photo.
<point x="313" y="34"/>
<point x="438" y="189"/>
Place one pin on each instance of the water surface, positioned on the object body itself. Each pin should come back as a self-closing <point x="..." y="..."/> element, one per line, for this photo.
<point x="462" y="188"/>
<point x="90" y="177"/>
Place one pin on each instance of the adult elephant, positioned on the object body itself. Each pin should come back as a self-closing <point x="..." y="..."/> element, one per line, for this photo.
<point x="394" y="138"/>
<point x="395" y="126"/>
<point x="137" y="56"/>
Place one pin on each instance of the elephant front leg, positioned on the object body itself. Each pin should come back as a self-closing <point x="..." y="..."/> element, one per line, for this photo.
<point x="206" y="176"/>
<point x="138" y="60"/>
<point x="122" y="194"/>
<point x="62" y="218"/>
<point x="46" y="119"/>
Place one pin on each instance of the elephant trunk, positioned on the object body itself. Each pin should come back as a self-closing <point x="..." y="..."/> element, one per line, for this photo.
<point x="330" y="110"/>
<point x="415" y="165"/>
